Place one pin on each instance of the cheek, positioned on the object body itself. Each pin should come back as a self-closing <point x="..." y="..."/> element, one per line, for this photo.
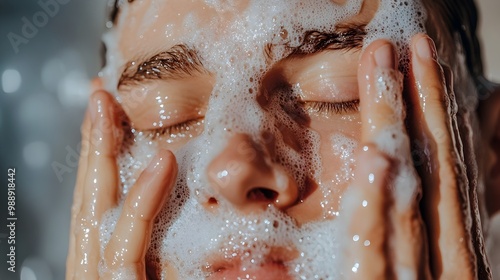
<point x="176" y="141"/>
<point x="339" y="139"/>
<point x="339" y="142"/>
<point x="337" y="157"/>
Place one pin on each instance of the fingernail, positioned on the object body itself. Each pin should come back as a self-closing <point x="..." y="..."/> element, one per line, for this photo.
<point x="426" y="48"/>
<point x="384" y="56"/>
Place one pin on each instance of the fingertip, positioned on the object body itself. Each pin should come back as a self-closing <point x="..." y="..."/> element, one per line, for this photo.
<point x="376" y="53"/>
<point x="432" y="81"/>
<point x="154" y="185"/>
<point x="159" y="176"/>
<point x="369" y="55"/>
<point x="424" y="47"/>
<point x="380" y="85"/>
<point x="96" y="84"/>
<point x="417" y="37"/>
<point x="102" y="97"/>
<point x="106" y="133"/>
<point x="424" y="57"/>
<point x="171" y="162"/>
<point x="164" y="159"/>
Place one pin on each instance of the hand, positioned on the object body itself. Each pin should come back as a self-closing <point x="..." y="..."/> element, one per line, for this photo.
<point x="450" y="211"/>
<point x="96" y="191"/>
<point x="392" y="240"/>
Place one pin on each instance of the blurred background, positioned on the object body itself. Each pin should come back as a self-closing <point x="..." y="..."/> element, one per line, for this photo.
<point x="44" y="73"/>
<point x="48" y="54"/>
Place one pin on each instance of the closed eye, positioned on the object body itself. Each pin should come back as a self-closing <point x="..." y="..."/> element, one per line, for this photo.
<point x="176" y="129"/>
<point x="338" y="108"/>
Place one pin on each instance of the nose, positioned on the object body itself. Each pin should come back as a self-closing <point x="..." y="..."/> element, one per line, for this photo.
<point x="244" y="174"/>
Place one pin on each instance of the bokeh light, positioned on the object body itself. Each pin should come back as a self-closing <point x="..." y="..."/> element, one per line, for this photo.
<point x="36" y="154"/>
<point x="35" y="269"/>
<point x="11" y="81"/>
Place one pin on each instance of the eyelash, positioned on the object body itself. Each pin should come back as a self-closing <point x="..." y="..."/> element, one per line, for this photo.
<point x="315" y="106"/>
<point x="332" y="107"/>
<point x="173" y="129"/>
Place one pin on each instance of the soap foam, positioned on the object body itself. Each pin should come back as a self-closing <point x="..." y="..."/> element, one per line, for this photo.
<point x="186" y="235"/>
<point x="393" y="142"/>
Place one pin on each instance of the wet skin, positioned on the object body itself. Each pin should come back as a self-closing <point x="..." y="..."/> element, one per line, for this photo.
<point x="352" y="77"/>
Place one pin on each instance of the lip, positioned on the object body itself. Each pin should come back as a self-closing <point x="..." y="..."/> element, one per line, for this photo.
<point x="267" y="271"/>
<point x="271" y="268"/>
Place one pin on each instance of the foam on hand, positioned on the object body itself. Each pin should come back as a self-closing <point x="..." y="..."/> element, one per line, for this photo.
<point x="186" y="234"/>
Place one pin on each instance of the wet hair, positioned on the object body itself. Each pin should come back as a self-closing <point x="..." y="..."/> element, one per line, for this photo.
<point x="114" y="11"/>
<point x="453" y="22"/>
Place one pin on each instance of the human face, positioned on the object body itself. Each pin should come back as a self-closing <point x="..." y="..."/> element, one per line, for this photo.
<point x="262" y="121"/>
<point x="173" y="109"/>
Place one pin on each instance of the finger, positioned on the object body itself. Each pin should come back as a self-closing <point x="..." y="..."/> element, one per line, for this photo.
<point x="382" y="114"/>
<point x="380" y="92"/>
<point x="85" y="130"/>
<point x="99" y="188"/>
<point x="444" y="179"/>
<point x="409" y="244"/>
<point x="101" y="180"/>
<point x="78" y="193"/>
<point x="96" y="84"/>
<point x="127" y="247"/>
<point x="82" y="163"/>
<point x="466" y="153"/>
<point x="366" y="255"/>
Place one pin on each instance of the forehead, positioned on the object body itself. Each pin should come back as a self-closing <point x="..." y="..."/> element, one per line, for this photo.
<point x="150" y="26"/>
<point x="147" y="26"/>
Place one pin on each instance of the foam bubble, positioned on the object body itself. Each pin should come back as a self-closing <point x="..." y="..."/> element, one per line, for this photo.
<point x="394" y="143"/>
<point x="186" y="234"/>
<point x="397" y="21"/>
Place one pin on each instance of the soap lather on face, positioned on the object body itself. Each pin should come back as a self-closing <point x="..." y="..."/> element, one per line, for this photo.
<point x="249" y="98"/>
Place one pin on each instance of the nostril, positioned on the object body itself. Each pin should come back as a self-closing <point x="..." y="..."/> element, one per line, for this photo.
<point x="212" y="201"/>
<point x="211" y="204"/>
<point x="262" y="194"/>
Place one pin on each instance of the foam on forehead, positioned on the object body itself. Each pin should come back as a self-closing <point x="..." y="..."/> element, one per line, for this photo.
<point x="232" y="47"/>
<point x="397" y="21"/>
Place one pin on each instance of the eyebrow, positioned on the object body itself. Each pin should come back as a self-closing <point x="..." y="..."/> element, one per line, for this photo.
<point x="344" y="37"/>
<point x="178" y="62"/>
<point x="181" y="61"/>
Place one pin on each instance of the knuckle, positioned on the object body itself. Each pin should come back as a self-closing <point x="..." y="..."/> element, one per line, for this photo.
<point x="75" y="210"/>
<point x="435" y="92"/>
<point x="85" y="127"/>
<point x="85" y="147"/>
